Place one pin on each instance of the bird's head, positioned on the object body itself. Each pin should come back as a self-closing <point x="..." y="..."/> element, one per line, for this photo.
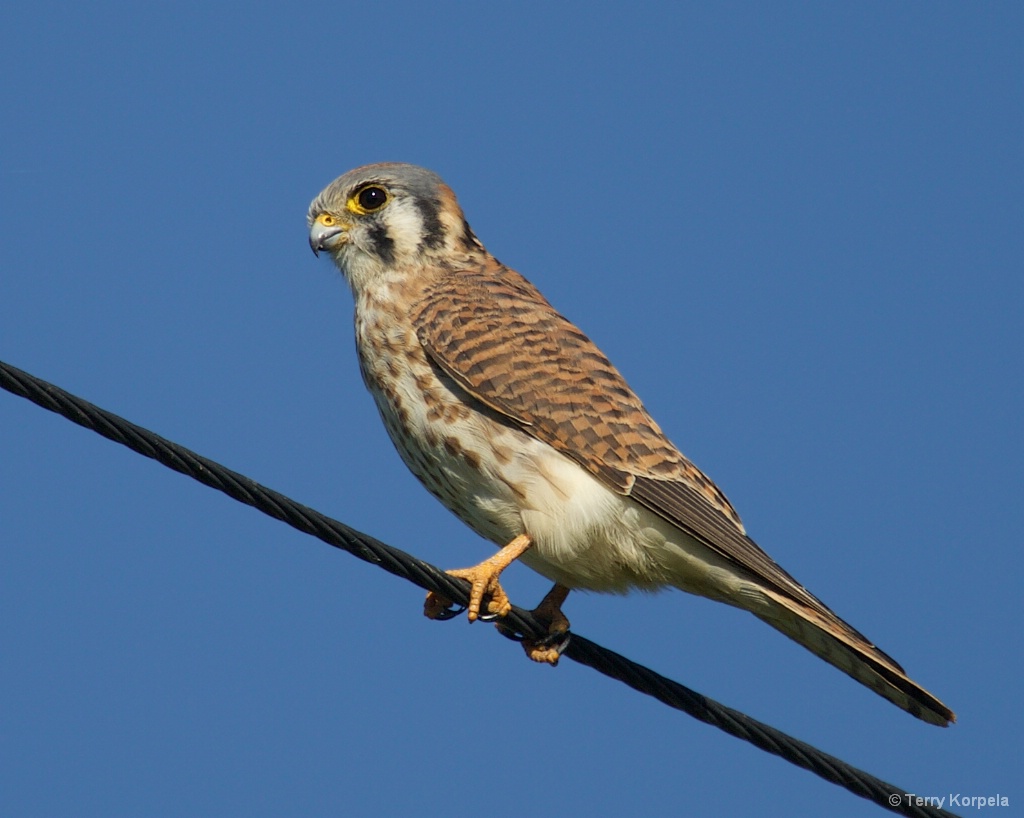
<point x="386" y="220"/>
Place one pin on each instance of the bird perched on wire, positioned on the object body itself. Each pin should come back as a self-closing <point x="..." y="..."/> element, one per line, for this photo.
<point x="517" y="422"/>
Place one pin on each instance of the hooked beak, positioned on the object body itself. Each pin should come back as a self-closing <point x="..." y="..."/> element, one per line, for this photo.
<point x="325" y="234"/>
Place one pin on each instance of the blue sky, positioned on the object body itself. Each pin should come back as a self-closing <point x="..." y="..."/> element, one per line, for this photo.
<point x="796" y="229"/>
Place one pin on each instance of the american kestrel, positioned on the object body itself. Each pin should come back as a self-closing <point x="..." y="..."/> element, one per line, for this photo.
<point x="517" y="422"/>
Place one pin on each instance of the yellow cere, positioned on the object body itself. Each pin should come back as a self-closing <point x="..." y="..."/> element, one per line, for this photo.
<point x="326" y="219"/>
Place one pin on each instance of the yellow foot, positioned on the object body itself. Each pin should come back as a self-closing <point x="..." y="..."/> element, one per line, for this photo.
<point x="484" y="581"/>
<point x="548" y="649"/>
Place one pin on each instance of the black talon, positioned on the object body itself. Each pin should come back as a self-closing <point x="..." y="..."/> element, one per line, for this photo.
<point x="450" y="612"/>
<point x="558" y="640"/>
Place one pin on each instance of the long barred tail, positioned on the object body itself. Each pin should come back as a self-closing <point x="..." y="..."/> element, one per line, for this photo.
<point x="827" y="636"/>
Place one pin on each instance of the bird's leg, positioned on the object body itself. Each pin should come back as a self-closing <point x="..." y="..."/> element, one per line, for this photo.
<point x="484" y="578"/>
<point x="548" y="648"/>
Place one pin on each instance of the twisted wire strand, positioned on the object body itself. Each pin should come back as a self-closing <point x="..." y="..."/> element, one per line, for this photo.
<point x="431" y="578"/>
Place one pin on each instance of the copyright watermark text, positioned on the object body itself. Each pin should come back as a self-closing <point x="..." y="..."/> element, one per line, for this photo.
<point x="953" y="799"/>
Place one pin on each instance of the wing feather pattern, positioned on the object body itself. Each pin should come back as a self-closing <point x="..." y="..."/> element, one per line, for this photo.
<point x="496" y="336"/>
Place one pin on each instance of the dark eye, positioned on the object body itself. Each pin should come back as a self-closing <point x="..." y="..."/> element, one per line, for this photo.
<point x="372" y="198"/>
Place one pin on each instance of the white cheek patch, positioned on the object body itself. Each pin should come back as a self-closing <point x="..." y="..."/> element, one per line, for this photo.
<point x="405" y="226"/>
